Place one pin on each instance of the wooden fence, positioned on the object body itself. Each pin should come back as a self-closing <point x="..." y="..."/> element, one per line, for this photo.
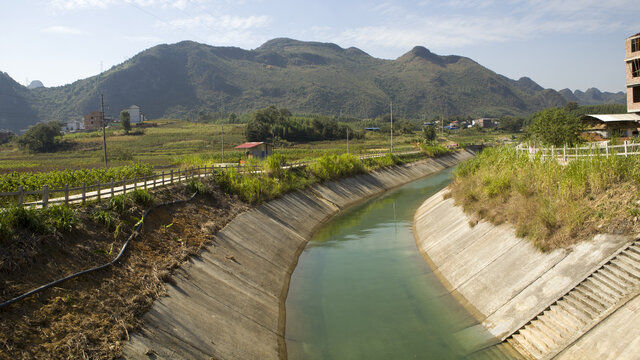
<point x="568" y="153"/>
<point x="112" y="188"/>
<point x="100" y="191"/>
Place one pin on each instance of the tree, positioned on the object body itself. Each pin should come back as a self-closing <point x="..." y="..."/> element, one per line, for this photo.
<point x="42" y="137"/>
<point x="555" y="126"/>
<point x="429" y="133"/>
<point x="125" y="120"/>
<point x="510" y="124"/>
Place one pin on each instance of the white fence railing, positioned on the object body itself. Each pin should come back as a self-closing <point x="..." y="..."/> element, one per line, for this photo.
<point x="100" y="191"/>
<point x="568" y="153"/>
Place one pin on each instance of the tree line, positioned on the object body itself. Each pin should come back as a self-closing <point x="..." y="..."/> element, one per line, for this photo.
<point x="271" y="123"/>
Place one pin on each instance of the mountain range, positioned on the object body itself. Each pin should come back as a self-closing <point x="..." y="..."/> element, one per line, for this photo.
<point x="186" y="78"/>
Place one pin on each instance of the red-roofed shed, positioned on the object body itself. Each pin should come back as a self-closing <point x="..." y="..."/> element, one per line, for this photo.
<point x="256" y="149"/>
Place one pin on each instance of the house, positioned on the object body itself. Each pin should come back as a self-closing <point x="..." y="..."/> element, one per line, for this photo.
<point x="484" y="123"/>
<point x="92" y="120"/>
<point x="632" y="60"/>
<point x="5" y="135"/>
<point x="258" y="150"/>
<point x="135" y="116"/>
<point x="73" y="126"/>
<point x="624" y="125"/>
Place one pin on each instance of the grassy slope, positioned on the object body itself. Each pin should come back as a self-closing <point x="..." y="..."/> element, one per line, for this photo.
<point x="551" y="204"/>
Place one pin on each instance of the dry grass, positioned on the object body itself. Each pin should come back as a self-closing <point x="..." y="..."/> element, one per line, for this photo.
<point x="553" y="205"/>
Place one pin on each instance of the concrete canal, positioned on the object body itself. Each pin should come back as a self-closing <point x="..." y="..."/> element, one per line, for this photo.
<point x="361" y="289"/>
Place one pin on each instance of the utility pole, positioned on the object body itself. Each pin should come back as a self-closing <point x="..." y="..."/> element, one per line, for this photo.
<point x="104" y="132"/>
<point x="223" y="143"/>
<point x="391" y="106"/>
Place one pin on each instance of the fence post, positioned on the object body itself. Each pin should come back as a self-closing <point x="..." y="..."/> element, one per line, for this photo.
<point x="83" y="192"/>
<point x="171" y="176"/>
<point x="112" y="185"/>
<point x="135" y="182"/>
<point x="45" y="195"/>
<point x="124" y="185"/>
<point x="606" y="149"/>
<point x="162" y="177"/>
<point x="553" y="152"/>
<point x="564" y="153"/>
<point x="625" y="148"/>
<point x="66" y="194"/>
<point x="20" y="195"/>
<point x="576" y="151"/>
<point x="98" y="190"/>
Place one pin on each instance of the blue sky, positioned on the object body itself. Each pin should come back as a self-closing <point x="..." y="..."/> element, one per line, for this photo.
<point x="570" y="43"/>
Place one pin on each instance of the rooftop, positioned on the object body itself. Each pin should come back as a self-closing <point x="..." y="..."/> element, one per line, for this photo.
<point x="249" y="145"/>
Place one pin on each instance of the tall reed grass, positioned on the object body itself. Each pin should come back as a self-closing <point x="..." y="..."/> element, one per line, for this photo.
<point x="552" y="204"/>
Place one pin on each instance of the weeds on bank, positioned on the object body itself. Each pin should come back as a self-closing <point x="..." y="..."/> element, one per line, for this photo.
<point x="551" y="204"/>
<point x="118" y="213"/>
<point x="271" y="180"/>
<point x="55" y="218"/>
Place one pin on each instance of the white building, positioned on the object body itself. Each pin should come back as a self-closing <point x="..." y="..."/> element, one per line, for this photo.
<point x="73" y="126"/>
<point x="134" y="114"/>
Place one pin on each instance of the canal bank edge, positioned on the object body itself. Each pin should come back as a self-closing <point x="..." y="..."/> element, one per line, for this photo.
<point x="506" y="282"/>
<point x="229" y="303"/>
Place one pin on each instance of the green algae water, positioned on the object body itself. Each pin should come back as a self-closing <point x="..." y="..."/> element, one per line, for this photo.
<point x="361" y="289"/>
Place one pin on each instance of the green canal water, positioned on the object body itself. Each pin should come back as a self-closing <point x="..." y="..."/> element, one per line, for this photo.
<point x="361" y="289"/>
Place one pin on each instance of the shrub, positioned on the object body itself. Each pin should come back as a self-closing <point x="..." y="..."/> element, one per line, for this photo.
<point x="61" y="217"/>
<point x="104" y="217"/>
<point x="197" y="186"/>
<point x="119" y="203"/>
<point x="142" y="197"/>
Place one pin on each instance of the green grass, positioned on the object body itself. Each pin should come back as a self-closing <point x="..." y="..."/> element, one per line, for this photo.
<point x="551" y="204"/>
<point x="56" y="218"/>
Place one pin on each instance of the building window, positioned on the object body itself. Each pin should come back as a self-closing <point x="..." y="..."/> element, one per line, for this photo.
<point x="636" y="94"/>
<point x="635" y="67"/>
<point x="635" y="44"/>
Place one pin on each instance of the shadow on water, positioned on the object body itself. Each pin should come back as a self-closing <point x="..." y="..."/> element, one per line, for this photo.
<point x="362" y="290"/>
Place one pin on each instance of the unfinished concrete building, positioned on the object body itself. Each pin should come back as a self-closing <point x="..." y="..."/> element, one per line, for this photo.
<point x="632" y="59"/>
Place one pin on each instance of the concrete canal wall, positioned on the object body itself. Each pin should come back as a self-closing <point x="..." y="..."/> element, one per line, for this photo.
<point x="507" y="283"/>
<point x="228" y="303"/>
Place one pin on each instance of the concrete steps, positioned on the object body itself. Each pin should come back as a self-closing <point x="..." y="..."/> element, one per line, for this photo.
<point x="575" y="313"/>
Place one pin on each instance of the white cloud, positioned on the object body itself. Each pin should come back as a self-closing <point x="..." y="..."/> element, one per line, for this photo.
<point x="224" y="22"/>
<point x="103" y="4"/>
<point x="474" y="22"/>
<point x="64" y="30"/>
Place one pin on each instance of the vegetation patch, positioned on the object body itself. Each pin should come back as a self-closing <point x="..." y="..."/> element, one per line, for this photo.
<point x="551" y="204"/>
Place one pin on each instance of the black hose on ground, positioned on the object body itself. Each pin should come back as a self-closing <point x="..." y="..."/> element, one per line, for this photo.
<point x="112" y="262"/>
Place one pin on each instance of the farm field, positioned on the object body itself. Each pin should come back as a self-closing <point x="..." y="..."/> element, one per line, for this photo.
<point x="178" y="143"/>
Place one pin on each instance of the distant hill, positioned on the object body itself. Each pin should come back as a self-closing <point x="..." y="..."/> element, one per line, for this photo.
<point x="16" y="105"/>
<point x="594" y="96"/>
<point x="306" y="77"/>
<point x="35" y="84"/>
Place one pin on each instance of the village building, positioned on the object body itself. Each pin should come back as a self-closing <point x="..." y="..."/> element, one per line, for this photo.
<point x="135" y="116"/>
<point x="486" y="123"/>
<point x="92" y="120"/>
<point x="258" y="150"/>
<point x="632" y="60"/>
<point x="606" y="125"/>
<point x="73" y="126"/>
